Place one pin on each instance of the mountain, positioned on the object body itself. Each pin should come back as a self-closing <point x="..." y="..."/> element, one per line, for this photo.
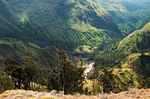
<point x="129" y="58"/>
<point x="15" y="48"/>
<point x="67" y="24"/>
<point x="136" y="48"/>
<point x="137" y="41"/>
<point x="128" y="14"/>
<point x="59" y="22"/>
<point x="112" y="35"/>
<point x="79" y="26"/>
<point x="139" y="63"/>
<point x="136" y="16"/>
<point x="136" y="1"/>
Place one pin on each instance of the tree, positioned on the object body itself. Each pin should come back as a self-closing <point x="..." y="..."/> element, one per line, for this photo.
<point x="15" y="69"/>
<point x="24" y="71"/>
<point x="105" y="79"/>
<point x="5" y="81"/>
<point x="66" y="76"/>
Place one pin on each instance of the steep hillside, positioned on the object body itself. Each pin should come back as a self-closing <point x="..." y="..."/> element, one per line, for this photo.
<point x="136" y="16"/>
<point x="128" y="14"/>
<point x="89" y="34"/>
<point x="114" y="8"/>
<point x="14" y="48"/>
<point x="136" y="50"/>
<point x="136" y="41"/>
<point x="74" y="25"/>
<point x="129" y="57"/>
<point x="69" y="24"/>
<point x="56" y="22"/>
<point x="139" y="63"/>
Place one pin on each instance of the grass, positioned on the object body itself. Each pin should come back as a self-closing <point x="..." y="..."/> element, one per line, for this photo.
<point x="84" y="27"/>
<point x="132" y="69"/>
<point x="134" y="93"/>
<point x="13" y="47"/>
<point x="129" y="43"/>
<point x="85" y="48"/>
<point x="126" y="75"/>
<point x="130" y="59"/>
<point x="46" y="97"/>
<point x="88" y="85"/>
<point x="66" y="25"/>
<point x="24" y="94"/>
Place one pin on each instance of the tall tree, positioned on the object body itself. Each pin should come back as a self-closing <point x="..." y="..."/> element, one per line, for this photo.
<point x="5" y="81"/>
<point x="24" y="71"/>
<point x="66" y="76"/>
<point x="15" y="68"/>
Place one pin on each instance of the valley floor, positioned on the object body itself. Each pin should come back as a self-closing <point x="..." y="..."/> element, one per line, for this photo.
<point x="22" y="94"/>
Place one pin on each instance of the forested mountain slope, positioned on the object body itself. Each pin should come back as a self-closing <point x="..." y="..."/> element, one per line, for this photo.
<point x="67" y="24"/>
<point x="136" y="16"/>
<point x="15" y="48"/>
<point x="56" y="22"/>
<point x="128" y="14"/>
<point x="137" y="41"/>
<point x="129" y="59"/>
<point x="71" y="36"/>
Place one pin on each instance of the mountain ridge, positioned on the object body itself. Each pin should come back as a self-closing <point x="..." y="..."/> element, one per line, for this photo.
<point x="66" y="24"/>
<point x="134" y="38"/>
<point x="27" y="19"/>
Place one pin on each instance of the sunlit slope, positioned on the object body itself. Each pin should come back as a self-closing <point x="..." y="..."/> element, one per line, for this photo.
<point x="14" y="48"/>
<point x="135" y="40"/>
<point x="128" y="14"/>
<point x="56" y="22"/>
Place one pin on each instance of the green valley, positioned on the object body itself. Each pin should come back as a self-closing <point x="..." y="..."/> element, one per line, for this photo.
<point x="89" y="47"/>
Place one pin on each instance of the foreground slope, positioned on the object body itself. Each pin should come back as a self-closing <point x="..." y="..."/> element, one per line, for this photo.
<point x="21" y="94"/>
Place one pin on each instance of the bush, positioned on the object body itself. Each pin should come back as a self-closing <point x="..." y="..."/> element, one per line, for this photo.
<point x="5" y="81"/>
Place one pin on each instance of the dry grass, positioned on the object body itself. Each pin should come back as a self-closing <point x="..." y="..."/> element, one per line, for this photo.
<point x="22" y="94"/>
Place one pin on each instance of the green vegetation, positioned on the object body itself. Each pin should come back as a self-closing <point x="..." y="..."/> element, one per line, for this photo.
<point x="129" y="60"/>
<point x="136" y="41"/>
<point x="66" y="76"/>
<point x="5" y="81"/>
<point x="24" y="72"/>
<point x="106" y="80"/>
<point x="13" y="47"/>
<point x="90" y="31"/>
<point x="109" y="54"/>
<point x="129" y="15"/>
<point x="36" y="28"/>
<point x="80" y="23"/>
